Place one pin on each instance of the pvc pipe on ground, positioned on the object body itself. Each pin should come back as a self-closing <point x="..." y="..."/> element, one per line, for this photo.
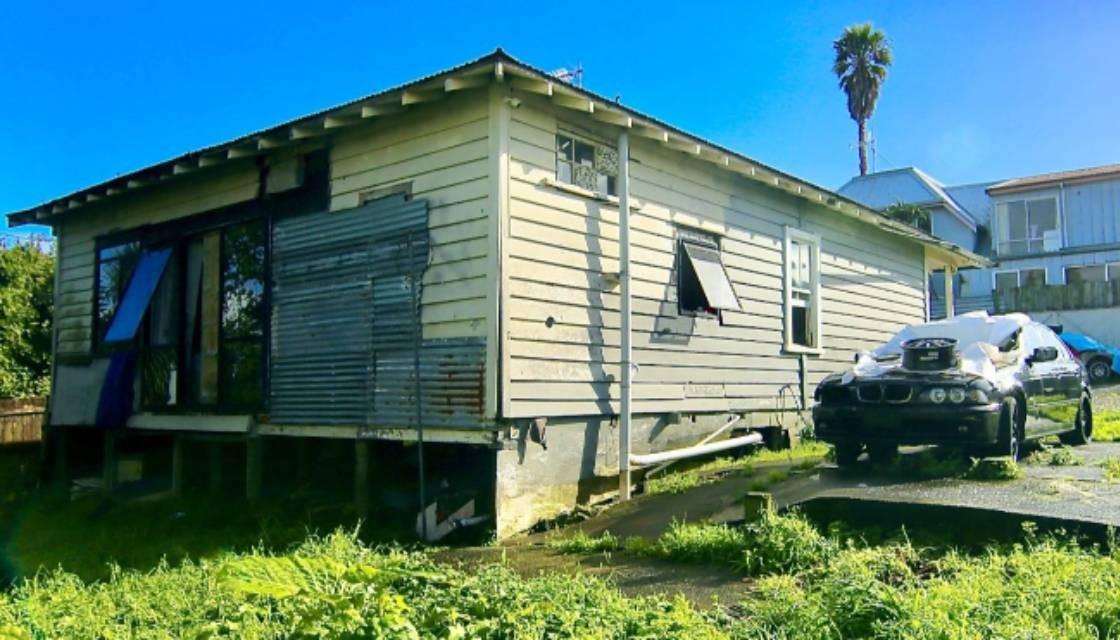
<point x="711" y="436"/>
<point x="644" y="460"/>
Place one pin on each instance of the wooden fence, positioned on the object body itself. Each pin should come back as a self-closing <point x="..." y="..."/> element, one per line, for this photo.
<point x="21" y="420"/>
<point x="1058" y="297"/>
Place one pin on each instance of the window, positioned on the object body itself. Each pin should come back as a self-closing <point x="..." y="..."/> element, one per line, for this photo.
<point x="802" y="291"/>
<point x="242" y="315"/>
<point x="586" y="165"/>
<point x="703" y="287"/>
<point x="1012" y="278"/>
<point x="1087" y="273"/>
<point x="115" y="264"/>
<point x="1027" y="226"/>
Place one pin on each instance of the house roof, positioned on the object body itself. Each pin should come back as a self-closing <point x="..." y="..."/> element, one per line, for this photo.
<point x="1048" y="179"/>
<point x="496" y="66"/>
<point x="908" y="184"/>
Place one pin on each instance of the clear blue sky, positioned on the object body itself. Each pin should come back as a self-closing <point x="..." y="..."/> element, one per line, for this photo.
<point x="979" y="90"/>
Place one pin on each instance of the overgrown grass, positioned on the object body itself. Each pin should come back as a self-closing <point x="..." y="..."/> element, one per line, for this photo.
<point x="809" y="586"/>
<point x="995" y="469"/>
<point x="1111" y="468"/>
<point x="1056" y="457"/>
<point x="1106" y="426"/>
<point x="580" y="542"/>
<point x="805" y="455"/>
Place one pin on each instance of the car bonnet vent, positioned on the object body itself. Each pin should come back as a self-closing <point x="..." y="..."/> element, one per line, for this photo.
<point x="930" y="354"/>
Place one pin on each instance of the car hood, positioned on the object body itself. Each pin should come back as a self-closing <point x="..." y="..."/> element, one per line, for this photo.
<point x="978" y="335"/>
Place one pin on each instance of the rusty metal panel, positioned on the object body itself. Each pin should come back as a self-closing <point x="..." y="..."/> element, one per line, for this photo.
<point x="345" y="320"/>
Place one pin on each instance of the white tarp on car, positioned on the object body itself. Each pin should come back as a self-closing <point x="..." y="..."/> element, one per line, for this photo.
<point x="979" y="339"/>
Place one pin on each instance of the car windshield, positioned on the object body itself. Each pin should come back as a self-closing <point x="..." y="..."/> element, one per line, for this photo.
<point x="968" y="329"/>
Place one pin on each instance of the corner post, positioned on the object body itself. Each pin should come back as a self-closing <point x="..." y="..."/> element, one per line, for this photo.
<point x="949" y="303"/>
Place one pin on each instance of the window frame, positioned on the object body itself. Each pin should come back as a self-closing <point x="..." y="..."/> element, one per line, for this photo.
<point x="571" y="184"/>
<point x="98" y="346"/>
<point x="1107" y="266"/>
<point x="1001" y="218"/>
<point x="799" y="236"/>
<point x="1019" y="275"/>
<point x="703" y="240"/>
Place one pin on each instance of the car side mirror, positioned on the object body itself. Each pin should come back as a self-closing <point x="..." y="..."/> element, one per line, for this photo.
<point x="1044" y="354"/>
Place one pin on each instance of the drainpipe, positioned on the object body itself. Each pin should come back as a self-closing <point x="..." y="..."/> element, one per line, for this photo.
<point x="949" y="303"/>
<point x="624" y="279"/>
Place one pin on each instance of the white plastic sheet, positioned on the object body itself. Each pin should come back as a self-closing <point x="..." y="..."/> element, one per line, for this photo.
<point x="978" y="337"/>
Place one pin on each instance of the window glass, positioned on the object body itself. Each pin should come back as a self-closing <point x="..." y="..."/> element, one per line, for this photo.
<point x="115" y="265"/>
<point x="1032" y="277"/>
<point x="586" y="165"/>
<point x="1087" y="273"/>
<point x="1007" y="280"/>
<point x="242" y="315"/>
<point x="1114" y="271"/>
<point x="802" y="274"/>
<point x="1025" y="224"/>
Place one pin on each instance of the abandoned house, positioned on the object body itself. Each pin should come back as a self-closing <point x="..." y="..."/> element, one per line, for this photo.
<point x="435" y="270"/>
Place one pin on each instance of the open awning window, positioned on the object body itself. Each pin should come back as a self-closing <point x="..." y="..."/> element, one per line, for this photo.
<point x="141" y="287"/>
<point x="712" y="277"/>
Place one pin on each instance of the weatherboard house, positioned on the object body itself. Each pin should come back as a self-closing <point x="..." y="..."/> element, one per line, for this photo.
<point x="437" y="278"/>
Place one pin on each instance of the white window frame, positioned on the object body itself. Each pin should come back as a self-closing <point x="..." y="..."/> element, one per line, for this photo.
<point x="798" y="236"/>
<point x="1000" y="218"/>
<point x="1019" y="275"/>
<point x="1106" y="265"/>
<point x="570" y="185"/>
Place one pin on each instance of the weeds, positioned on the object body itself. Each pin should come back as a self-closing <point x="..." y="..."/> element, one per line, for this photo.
<point x="1111" y="468"/>
<point x="1056" y="457"/>
<point x="580" y="542"/>
<point x="997" y="469"/>
<point x="1106" y="426"/>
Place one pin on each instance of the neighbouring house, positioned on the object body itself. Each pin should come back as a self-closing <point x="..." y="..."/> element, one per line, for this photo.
<point x="1054" y="240"/>
<point x="434" y="270"/>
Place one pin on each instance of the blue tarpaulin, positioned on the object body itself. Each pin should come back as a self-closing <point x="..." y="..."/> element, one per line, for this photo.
<point x="115" y="404"/>
<point x="138" y="295"/>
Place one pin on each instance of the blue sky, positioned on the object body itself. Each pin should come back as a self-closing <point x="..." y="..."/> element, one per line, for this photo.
<point x="979" y="90"/>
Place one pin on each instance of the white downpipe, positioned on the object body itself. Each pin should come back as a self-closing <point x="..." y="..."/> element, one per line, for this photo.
<point x="695" y="450"/>
<point x="711" y="436"/>
<point x="624" y="279"/>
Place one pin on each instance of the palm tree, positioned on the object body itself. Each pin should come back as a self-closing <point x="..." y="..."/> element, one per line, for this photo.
<point x="862" y="58"/>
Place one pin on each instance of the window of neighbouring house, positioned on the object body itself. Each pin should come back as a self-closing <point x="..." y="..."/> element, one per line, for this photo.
<point x="801" y="290"/>
<point x="1087" y="273"/>
<point x="587" y="165"/>
<point x="1027" y="226"/>
<point x="1013" y="278"/>
<point x="115" y="264"/>
<point x="703" y="287"/>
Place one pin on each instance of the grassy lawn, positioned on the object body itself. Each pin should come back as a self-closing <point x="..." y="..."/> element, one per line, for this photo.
<point x="683" y="477"/>
<point x="802" y="583"/>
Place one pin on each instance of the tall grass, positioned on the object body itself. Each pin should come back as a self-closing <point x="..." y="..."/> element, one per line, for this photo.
<point x="810" y="587"/>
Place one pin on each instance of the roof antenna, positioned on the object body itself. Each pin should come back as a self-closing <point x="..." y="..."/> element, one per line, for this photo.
<point x="571" y="76"/>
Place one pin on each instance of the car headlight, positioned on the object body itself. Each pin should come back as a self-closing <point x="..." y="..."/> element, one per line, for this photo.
<point x="956" y="395"/>
<point x="978" y="396"/>
<point x="937" y="395"/>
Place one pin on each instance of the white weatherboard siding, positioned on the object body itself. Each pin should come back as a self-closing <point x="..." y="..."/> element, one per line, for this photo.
<point x="186" y="196"/>
<point x="562" y="335"/>
<point x="441" y="151"/>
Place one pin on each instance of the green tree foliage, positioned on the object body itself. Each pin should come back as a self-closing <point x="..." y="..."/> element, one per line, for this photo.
<point x="910" y="214"/>
<point x="862" y="58"/>
<point x="26" y="305"/>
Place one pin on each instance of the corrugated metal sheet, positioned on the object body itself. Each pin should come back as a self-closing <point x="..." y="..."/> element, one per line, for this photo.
<point x="344" y="323"/>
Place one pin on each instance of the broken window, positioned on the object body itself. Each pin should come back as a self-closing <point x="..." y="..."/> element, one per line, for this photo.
<point x="133" y="303"/>
<point x="114" y="269"/>
<point x="702" y="283"/>
<point x="802" y="290"/>
<point x="590" y="166"/>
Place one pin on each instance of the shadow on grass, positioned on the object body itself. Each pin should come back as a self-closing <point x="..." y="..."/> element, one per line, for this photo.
<point x="87" y="535"/>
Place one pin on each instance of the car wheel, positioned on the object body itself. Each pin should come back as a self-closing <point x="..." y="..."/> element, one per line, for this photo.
<point x="847" y="453"/>
<point x="1099" y="370"/>
<point x="1010" y="430"/>
<point x="883" y="452"/>
<point x="1082" y="425"/>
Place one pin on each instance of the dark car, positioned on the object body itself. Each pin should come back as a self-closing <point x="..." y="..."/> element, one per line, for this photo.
<point x="983" y="383"/>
